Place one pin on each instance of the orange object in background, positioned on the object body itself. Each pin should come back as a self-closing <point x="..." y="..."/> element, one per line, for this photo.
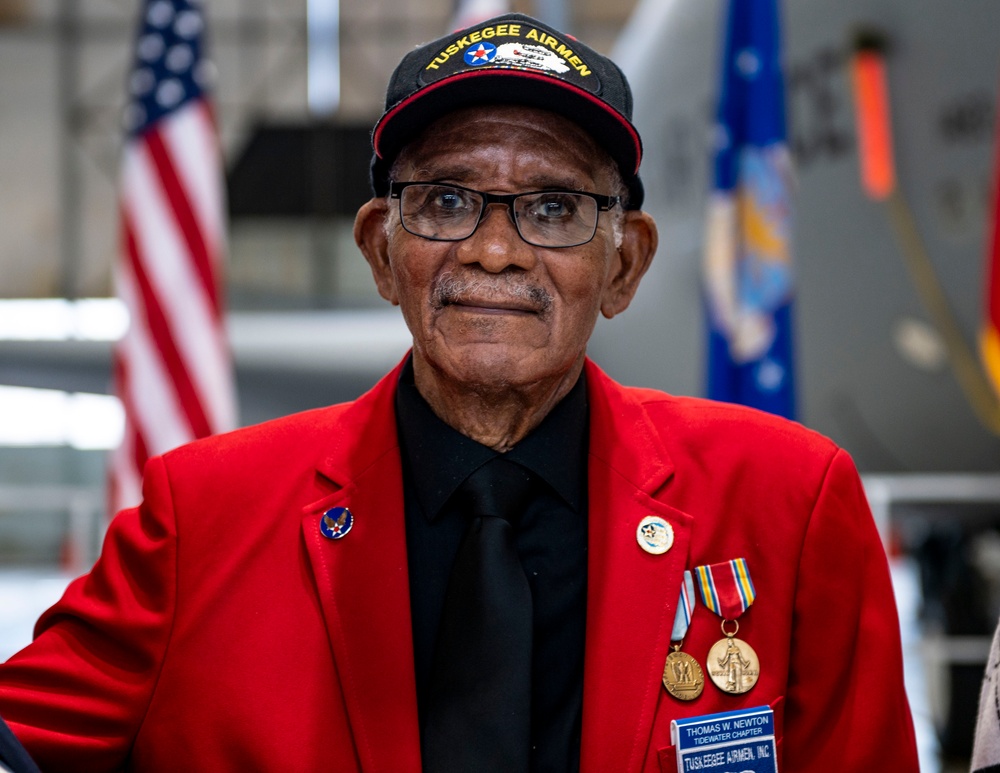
<point x="874" y="126"/>
<point x="989" y="336"/>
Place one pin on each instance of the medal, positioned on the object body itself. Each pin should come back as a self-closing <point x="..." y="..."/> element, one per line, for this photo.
<point x="727" y="590"/>
<point x="682" y="675"/>
<point x="732" y="664"/>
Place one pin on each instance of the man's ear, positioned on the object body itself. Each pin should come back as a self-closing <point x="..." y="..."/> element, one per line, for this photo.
<point x="639" y="241"/>
<point x="370" y="235"/>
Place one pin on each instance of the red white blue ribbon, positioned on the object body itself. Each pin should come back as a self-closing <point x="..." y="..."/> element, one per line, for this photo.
<point x="685" y="606"/>
<point x="726" y="588"/>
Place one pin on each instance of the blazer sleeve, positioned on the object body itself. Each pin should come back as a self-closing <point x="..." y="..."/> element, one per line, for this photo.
<point x="76" y="696"/>
<point x="846" y="700"/>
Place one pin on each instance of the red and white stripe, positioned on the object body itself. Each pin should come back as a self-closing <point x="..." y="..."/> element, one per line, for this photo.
<point x="173" y="369"/>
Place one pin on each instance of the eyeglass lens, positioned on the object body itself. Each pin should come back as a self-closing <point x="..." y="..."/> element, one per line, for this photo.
<point x="545" y="219"/>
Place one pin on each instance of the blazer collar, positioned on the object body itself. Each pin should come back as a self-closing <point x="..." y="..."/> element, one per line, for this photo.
<point x="365" y="432"/>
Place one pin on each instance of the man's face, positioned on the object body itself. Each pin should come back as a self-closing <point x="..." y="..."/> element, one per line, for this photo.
<point x="492" y="310"/>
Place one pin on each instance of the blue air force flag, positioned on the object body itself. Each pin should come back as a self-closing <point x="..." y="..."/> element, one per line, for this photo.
<point x="747" y="265"/>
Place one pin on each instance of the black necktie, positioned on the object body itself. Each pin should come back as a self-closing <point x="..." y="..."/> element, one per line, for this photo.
<point x="478" y="712"/>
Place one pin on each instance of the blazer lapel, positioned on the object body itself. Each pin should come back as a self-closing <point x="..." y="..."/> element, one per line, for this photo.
<point x="632" y="594"/>
<point x="362" y="582"/>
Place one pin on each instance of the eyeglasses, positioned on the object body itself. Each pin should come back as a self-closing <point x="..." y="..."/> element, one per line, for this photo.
<point x="450" y="213"/>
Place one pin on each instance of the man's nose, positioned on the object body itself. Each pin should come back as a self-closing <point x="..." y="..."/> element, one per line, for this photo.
<point x="496" y="245"/>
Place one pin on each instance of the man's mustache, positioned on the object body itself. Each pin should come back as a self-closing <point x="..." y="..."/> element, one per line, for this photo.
<point x="452" y="288"/>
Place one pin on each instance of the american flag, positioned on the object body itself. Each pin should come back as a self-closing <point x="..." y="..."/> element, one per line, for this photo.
<point x="173" y="369"/>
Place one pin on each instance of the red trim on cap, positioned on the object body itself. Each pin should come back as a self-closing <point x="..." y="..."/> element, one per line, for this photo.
<point x="522" y="74"/>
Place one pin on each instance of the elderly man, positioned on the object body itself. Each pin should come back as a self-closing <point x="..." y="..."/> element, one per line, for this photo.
<point x="487" y="561"/>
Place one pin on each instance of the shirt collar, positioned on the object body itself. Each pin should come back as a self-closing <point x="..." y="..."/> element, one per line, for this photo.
<point x="440" y="457"/>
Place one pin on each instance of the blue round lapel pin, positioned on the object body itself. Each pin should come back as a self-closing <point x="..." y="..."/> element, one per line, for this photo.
<point x="336" y="522"/>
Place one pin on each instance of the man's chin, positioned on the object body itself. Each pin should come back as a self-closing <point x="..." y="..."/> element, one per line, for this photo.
<point x="487" y="366"/>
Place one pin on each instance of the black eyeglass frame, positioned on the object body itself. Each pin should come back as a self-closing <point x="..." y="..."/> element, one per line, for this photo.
<point x="604" y="204"/>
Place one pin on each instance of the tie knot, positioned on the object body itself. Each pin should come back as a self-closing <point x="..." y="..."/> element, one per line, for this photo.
<point x="499" y="488"/>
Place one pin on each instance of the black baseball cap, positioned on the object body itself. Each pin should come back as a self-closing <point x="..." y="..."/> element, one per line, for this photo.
<point x="510" y="59"/>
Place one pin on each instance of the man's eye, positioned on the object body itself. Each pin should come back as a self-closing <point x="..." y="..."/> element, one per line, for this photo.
<point x="449" y="200"/>
<point x="555" y="206"/>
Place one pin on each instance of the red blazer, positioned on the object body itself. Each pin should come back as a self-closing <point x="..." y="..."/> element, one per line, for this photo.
<point x="221" y="631"/>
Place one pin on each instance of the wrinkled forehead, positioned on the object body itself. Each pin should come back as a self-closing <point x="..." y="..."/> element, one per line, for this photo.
<point x="494" y="134"/>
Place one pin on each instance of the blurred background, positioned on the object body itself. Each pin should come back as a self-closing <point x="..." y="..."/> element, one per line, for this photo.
<point x="890" y="284"/>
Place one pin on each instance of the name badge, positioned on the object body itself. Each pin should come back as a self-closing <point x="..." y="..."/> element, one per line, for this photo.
<point x="740" y="740"/>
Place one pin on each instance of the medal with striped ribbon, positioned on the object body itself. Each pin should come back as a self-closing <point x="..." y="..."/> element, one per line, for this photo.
<point x="727" y="590"/>
<point x="682" y="674"/>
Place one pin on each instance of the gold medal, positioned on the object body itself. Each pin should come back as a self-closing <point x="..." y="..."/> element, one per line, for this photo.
<point x="682" y="676"/>
<point x="732" y="663"/>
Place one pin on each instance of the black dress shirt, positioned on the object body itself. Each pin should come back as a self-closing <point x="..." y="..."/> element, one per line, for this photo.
<point x="13" y="757"/>
<point x="551" y="542"/>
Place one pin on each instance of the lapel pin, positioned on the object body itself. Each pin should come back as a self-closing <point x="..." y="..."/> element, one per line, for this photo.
<point x="655" y="535"/>
<point x="336" y="522"/>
